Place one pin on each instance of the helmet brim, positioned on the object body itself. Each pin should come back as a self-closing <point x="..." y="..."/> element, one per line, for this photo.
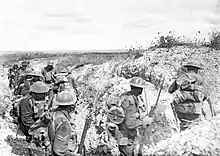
<point x="188" y="65"/>
<point x="65" y="103"/>
<point x="138" y="86"/>
<point x="33" y="74"/>
<point x="61" y="74"/>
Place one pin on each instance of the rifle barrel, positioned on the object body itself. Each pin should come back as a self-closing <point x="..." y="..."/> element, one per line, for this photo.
<point x="154" y="107"/>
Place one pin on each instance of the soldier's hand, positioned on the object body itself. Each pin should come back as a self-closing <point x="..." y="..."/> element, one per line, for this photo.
<point x="147" y="121"/>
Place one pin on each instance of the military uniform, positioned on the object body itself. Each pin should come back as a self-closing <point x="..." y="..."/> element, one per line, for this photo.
<point x="48" y="72"/>
<point x="28" y="112"/>
<point x="27" y="118"/>
<point x="126" y="131"/>
<point x="11" y="78"/>
<point x="60" y="134"/>
<point x="67" y="83"/>
<point x="182" y="107"/>
<point x="129" y="126"/>
<point x="60" y="130"/>
<point x="24" y="83"/>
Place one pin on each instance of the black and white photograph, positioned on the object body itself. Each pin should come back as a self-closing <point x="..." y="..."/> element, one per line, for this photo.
<point x="109" y="77"/>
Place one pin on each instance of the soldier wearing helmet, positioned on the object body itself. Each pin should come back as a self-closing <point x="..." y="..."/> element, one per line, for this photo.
<point x="48" y="72"/>
<point x="28" y="77"/>
<point x="13" y="73"/>
<point x="133" y="119"/>
<point x="24" y="65"/>
<point x="189" y="92"/>
<point x="65" y="81"/>
<point x="60" y="130"/>
<point x="29" y="108"/>
<point x="23" y="82"/>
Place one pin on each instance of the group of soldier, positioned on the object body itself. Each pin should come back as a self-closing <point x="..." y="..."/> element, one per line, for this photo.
<point x="188" y="91"/>
<point x="40" y="93"/>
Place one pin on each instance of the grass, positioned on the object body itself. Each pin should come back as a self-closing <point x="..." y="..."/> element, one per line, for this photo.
<point x="67" y="58"/>
<point x="172" y="40"/>
<point x="214" y="40"/>
<point x="79" y="60"/>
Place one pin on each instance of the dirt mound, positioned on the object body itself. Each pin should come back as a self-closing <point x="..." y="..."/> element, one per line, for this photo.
<point x="200" y="140"/>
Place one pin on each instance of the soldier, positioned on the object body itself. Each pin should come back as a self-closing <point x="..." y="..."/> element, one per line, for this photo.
<point x="23" y="86"/>
<point x="28" y="108"/>
<point x="16" y="71"/>
<point x="11" y="78"/>
<point x="24" y="65"/>
<point x="30" y="78"/>
<point x="60" y="129"/>
<point x="65" y="81"/>
<point x="48" y="72"/>
<point x="133" y="120"/>
<point x="189" y="91"/>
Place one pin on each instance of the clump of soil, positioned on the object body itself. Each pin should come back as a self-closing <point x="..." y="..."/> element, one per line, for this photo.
<point x="201" y="139"/>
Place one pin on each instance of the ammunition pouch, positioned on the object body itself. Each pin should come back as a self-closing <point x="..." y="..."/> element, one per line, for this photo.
<point x="196" y="95"/>
<point x="72" y="144"/>
<point x="113" y="131"/>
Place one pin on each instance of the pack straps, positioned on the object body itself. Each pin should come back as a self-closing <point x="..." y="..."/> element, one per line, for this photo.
<point x="53" y="123"/>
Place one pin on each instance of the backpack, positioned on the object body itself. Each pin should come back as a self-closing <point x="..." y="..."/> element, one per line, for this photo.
<point x="116" y="113"/>
<point x="116" y="116"/>
<point x="118" y="105"/>
<point x="188" y="89"/>
<point x="189" y="95"/>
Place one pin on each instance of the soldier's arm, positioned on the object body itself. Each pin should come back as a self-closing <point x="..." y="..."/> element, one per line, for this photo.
<point x="131" y="118"/>
<point x="25" y="89"/>
<point x="26" y="113"/>
<point x="172" y="88"/>
<point x="62" y="138"/>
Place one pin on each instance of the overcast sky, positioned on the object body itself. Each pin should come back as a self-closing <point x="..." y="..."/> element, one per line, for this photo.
<point x="100" y="24"/>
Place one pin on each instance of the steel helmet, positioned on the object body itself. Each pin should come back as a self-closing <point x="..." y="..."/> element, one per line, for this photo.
<point x="15" y="66"/>
<point x="138" y="82"/>
<point x="39" y="87"/>
<point x="27" y="71"/>
<point x="50" y="63"/>
<point x="61" y="79"/>
<point x="64" y="70"/>
<point x="35" y="73"/>
<point x="24" y="63"/>
<point x="65" y="98"/>
<point x="193" y="64"/>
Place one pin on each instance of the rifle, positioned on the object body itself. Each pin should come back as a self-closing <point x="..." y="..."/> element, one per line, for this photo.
<point x="89" y="119"/>
<point x="147" y="136"/>
<point x="175" y="114"/>
<point x="85" y="129"/>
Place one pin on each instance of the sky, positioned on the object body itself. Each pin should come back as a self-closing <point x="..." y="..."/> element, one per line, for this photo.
<point x="100" y="24"/>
